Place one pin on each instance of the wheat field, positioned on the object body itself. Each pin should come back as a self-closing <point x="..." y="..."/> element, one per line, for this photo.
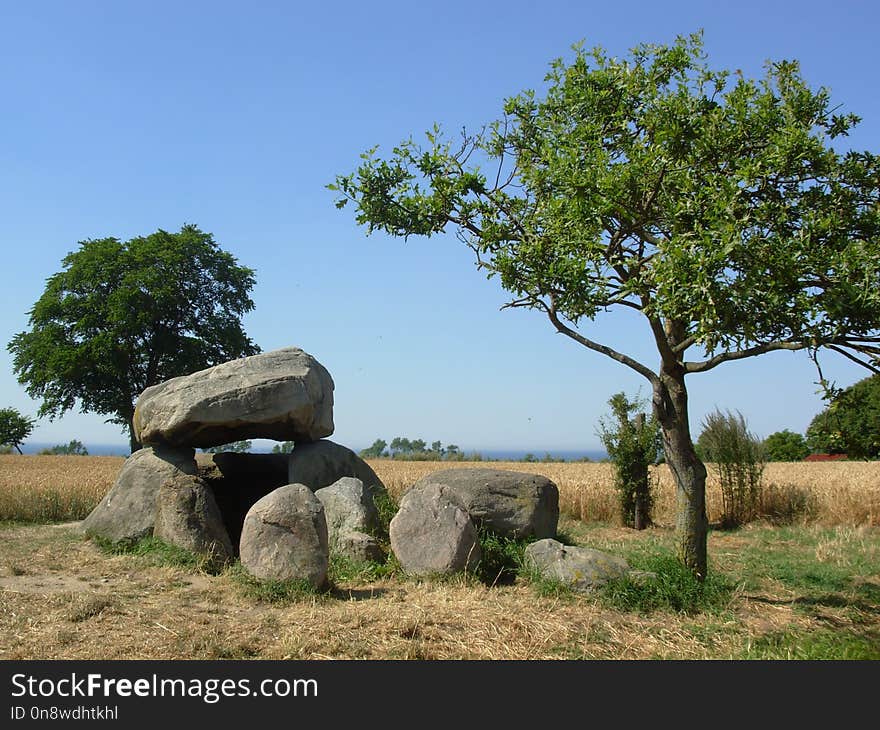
<point x="59" y="488"/>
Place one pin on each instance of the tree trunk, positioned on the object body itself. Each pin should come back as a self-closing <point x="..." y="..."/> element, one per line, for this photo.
<point x="132" y="441"/>
<point x="671" y="408"/>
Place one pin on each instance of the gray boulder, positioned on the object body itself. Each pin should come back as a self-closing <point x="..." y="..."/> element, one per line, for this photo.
<point x="512" y="504"/>
<point x="128" y="511"/>
<point x="348" y="507"/>
<point x="283" y="395"/>
<point x="188" y="516"/>
<point x="284" y="537"/>
<point x="358" y="547"/>
<point x="431" y="535"/>
<point x="322" y="463"/>
<point x="582" y="569"/>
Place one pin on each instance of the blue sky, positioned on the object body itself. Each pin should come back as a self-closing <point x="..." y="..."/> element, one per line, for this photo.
<point x="120" y="118"/>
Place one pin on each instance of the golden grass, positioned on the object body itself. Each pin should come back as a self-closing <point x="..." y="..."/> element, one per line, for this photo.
<point x="833" y="493"/>
<point x="46" y="488"/>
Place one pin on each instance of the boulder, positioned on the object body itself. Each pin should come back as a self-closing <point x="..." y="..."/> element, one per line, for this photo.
<point x="582" y="569"/>
<point x="432" y="535"/>
<point x="128" y="511"/>
<point x="283" y="395"/>
<point x="322" y="463"/>
<point x="512" y="504"/>
<point x="284" y="537"/>
<point x="348" y="507"/>
<point x="358" y="547"/>
<point x="188" y="516"/>
<point x="239" y="480"/>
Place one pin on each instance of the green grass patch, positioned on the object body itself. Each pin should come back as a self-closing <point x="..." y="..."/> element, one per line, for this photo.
<point x="278" y="592"/>
<point x="154" y="551"/>
<point x="840" y="644"/>
<point x="675" y="589"/>
<point x="343" y="569"/>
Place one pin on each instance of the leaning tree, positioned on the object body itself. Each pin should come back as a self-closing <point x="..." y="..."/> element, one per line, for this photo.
<point x="712" y="204"/>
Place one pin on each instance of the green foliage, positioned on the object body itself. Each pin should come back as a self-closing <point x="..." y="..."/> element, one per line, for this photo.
<point x="14" y="428"/>
<point x="633" y="443"/>
<point x="374" y="451"/>
<point x="278" y="592"/>
<point x="121" y="316"/>
<point x="819" y="644"/>
<point x="785" y="446"/>
<point x="738" y="457"/>
<point x="238" y="447"/>
<point x="153" y="550"/>
<point x="675" y="588"/>
<point x="74" y="448"/>
<point x="851" y="423"/>
<point x="502" y="560"/>
<point x="386" y="507"/>
<point x="285" y="447"/>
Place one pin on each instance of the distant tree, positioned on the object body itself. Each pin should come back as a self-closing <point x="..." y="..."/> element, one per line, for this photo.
<point x="14" y="428"/>
<point x="786" y="446"/>
<point x="238" y="447"/>
<point x="530" y="458"/>
<point x="715" y="207"/>
<point x="285" y="447"/>
<point x="850" y="424"/>
<point x="452" y="449"/>
<point x="374" y="451"/>
<point x="121" y="316"/>
<point x="74" y="448"/>
<point x="419" y="446"/>
<point x="437" y="447"/>
<point x="400" y="445"/>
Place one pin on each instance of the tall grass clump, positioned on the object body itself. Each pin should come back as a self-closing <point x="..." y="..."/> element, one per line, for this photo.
<point x="633" y="442"/>
<point x="738" y="458"/>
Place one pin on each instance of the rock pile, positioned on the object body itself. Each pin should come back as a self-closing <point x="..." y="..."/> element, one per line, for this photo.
<point x="283" y="514"/>
<point x="261" y="507"/>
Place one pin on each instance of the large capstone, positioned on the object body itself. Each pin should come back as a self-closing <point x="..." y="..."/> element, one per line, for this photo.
<point x="432" y="536"/>
<point x="284" y="395"/>
<point x="128" y="511"/>
<point x="509" y="503"/>
<point x="581" y="569"/>
<point x="284" y="537"/>
<point x="188" y="516"/>
<point x="322" y="463"/>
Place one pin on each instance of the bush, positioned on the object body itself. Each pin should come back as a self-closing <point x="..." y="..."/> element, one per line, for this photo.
<point x="738" y="458"/>
<point x="786" y="446"/>
<point x="633" y="443"/>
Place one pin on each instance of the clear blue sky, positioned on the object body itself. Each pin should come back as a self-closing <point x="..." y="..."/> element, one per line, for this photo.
<point x="119" y="118"/>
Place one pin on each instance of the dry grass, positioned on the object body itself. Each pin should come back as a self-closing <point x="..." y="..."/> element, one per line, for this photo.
<point x="75" y="602"/>
<point x="56" y="488"/>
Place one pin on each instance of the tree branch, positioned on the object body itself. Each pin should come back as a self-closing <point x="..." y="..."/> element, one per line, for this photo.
<point x="701" y="367"/>
<point x="607" y="351"/>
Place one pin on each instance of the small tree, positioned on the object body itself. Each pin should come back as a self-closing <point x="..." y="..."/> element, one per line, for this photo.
<point x="738" y="458"/>
<point x="785" y="446"/>
<point x="285" y="447"/>
<point x="633" y="443"/>
<point x="714" y="206"/>
<point x="14" y="428"/>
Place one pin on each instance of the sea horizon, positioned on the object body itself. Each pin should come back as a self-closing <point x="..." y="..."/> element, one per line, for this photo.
<point x="493" y="454"/>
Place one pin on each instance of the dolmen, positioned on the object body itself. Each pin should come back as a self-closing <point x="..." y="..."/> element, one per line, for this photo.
<point x="283" y="515"/>
<point x="279" y="513"/>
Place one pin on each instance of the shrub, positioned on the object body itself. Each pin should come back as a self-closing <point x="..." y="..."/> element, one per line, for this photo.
<point x="738" y="458"/>
<point x="74" y="448"/>
<point x="633" y="443"/>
